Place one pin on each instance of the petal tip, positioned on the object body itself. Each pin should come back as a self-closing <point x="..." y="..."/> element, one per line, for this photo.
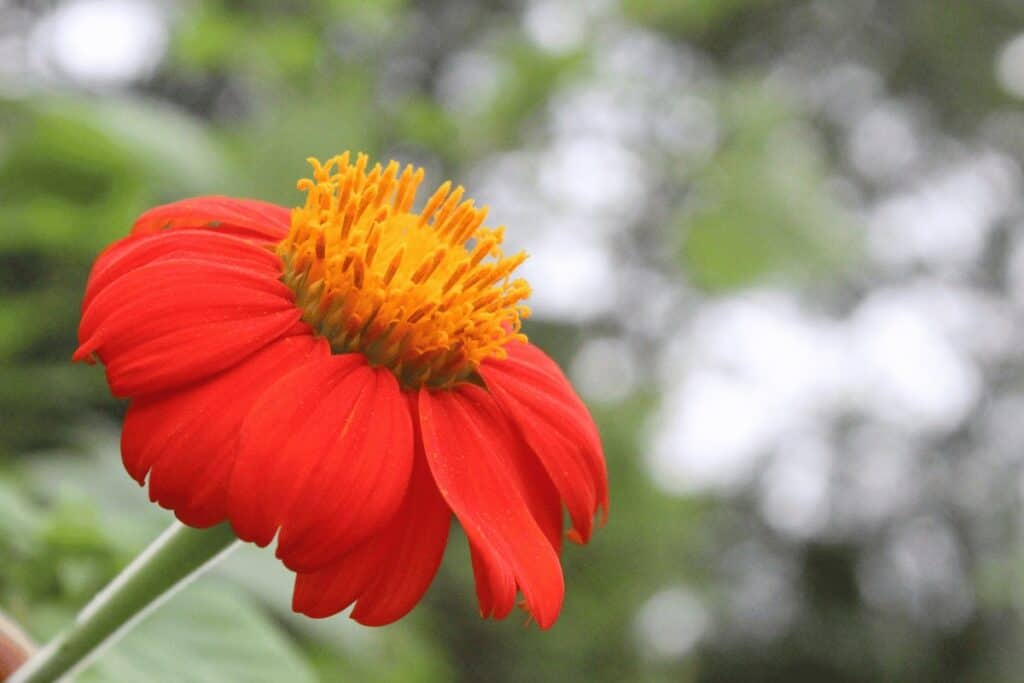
<point x="85" y="353"/>
<point x="307" y="606"/>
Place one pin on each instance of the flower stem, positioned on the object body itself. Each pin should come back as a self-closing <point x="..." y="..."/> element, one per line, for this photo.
<point x="178" y="554"/>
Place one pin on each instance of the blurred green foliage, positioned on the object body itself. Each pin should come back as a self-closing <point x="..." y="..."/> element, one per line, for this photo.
<point x="244" y="94"/>
<point x="691" y="18"/>
<point x="763" y="201"/>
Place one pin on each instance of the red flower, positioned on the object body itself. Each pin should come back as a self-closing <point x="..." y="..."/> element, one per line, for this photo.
<point x="345" y="376"/>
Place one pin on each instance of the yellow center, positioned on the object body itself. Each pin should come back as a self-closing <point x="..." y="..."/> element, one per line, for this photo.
<point x="428" y="295"/>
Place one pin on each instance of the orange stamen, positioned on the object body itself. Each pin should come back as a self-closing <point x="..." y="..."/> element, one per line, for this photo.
<point x="401" y="288"/>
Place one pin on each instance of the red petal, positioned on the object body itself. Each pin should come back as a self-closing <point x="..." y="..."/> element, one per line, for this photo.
<point x="495" y="589"/>
<point x="495" y="585"/>
<point x="325" y="455"/>
<point x="362" y="476"/>
<point x="186" y="440"/>
<point x="472" y="452"/>
<point x="537" y="489"/>
<point x="162" y="321"/>
<point x="130" y="253"/>
<point x="247" y="218"/>
<point x="388" y="574"/>
<point x="531" y="390"/>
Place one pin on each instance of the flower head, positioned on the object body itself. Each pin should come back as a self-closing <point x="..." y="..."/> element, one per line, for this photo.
<point x="400" y="287"/>
<point x="345" y="377"/>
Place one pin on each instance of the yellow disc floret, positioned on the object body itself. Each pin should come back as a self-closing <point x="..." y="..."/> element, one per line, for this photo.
<point x="428" y="295"/>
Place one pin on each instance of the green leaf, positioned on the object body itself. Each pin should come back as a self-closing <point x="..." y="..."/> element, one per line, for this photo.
<point x="208" y="633"/>
<point x="19" y="519"/>
<point x="175" y="148"/>
<point x="128" y="520"/>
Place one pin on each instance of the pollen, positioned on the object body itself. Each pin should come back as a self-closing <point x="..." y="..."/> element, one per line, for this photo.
<point x="429" y="294"/>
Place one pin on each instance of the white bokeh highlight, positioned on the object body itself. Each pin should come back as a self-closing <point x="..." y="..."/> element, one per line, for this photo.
<point x="102" y="43"/>
<point x="670" y="624"/>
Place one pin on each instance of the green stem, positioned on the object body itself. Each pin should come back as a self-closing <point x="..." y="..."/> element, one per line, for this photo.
<point x="179" y="553"/>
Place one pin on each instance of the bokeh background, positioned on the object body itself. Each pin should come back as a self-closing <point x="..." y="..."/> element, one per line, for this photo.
<point x="778" y="245"/>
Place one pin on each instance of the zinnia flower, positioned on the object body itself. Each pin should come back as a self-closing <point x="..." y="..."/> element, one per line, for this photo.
<point x="344" y="377"/>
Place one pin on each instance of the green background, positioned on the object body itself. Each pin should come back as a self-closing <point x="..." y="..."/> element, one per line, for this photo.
<point x="837" y="184"/>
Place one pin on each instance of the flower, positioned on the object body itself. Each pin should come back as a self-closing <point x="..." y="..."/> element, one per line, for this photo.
<point x="345" y="377"/>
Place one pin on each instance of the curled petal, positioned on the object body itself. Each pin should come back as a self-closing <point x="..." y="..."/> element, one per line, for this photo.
<point x="247" y="218"/>
<point x="536" y="487"/>
<point x="389" y="573"/>
<point x="471" y="450"/>
<point x="495" y="585"/>
<point x="532" y="390"/>
<point x="325" y="456"/>
<point x="495" y="588"/>
<point x="161" y="316"/>
<point x="185" y="440"/>
<point x="131" y="253"/>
